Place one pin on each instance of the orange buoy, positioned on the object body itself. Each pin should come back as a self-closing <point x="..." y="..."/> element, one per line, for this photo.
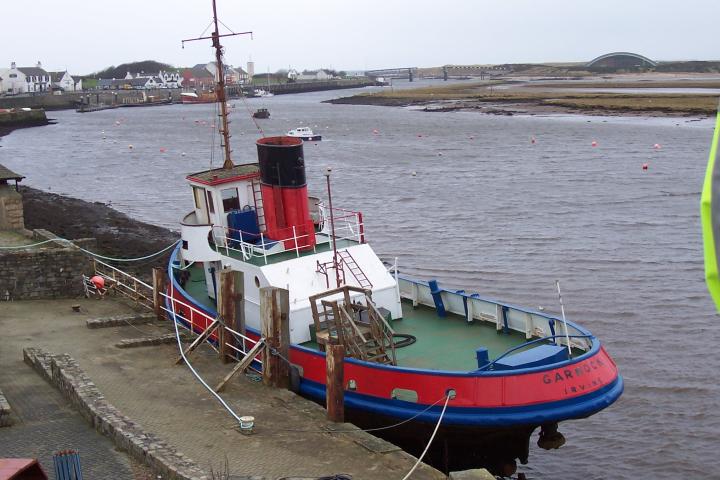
<point x="644" y="166"/>
<point x="98" y="281"/>
<point x="594" y="143"/>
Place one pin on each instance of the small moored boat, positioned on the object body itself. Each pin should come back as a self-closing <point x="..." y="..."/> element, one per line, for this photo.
<point x="304" y="133"/>
<point x="261" y="113"/>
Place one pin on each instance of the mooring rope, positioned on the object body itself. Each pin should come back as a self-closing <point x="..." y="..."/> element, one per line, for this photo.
<point x="432" y="437"/>
<point x="96" y="255"/>
<point x="187" y="362"/>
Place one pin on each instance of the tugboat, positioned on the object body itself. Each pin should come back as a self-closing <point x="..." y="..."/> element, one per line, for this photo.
<point x="304" y="133"/>
<point x="488" y="373"/>
<point x="261" y="113"/>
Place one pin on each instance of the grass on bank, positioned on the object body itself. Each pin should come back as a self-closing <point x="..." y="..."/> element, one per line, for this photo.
<point x="487" y="92"/>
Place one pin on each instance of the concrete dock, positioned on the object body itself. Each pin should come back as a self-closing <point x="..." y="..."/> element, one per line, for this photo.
<point x="290" y="437"/>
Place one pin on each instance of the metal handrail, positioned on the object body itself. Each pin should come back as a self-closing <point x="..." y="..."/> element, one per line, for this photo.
<point x="247" y="249"/>
<point x="528" y="343"/>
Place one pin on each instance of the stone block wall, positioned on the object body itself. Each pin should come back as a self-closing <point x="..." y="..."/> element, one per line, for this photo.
<point x="43" y="273"/>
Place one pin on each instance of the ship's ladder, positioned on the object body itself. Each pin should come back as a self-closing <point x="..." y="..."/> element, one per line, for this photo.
<point x="259" y="210"/>
<point x="357" y="272"/>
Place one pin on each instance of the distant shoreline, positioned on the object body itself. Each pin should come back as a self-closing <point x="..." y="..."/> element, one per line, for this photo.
<point x="531" y="98"/>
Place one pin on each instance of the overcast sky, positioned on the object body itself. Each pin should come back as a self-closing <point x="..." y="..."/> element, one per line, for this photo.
<point x="86" y="36"/>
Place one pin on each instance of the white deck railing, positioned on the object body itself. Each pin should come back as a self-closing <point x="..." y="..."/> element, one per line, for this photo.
<point x="532" y="324"/>
<point x="348" y="226"/>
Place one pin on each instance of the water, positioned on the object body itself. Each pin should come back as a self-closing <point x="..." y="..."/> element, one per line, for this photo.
<point x="487" y="211"/>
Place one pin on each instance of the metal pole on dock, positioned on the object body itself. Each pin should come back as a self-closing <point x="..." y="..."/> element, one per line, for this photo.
<point x="274" y="315"/>
<point x="159" y="284"/>
<point x="335" y="392"/>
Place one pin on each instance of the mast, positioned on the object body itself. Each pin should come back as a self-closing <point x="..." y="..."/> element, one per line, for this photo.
<point x="220" y="83"/>
<point x="220" y="92"/>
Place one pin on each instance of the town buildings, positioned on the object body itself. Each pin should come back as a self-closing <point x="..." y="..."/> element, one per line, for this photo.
<point x="15" y="80"/>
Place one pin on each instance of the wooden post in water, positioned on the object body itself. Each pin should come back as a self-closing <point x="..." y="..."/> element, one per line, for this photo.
<point x="334" y="381"/>
<point x="274" y="314"/>
<point x="159" y="283"/>
<point x="228" y="313"/>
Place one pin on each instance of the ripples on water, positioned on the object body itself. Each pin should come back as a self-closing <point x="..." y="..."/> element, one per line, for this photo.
<point x="487" y="211"/>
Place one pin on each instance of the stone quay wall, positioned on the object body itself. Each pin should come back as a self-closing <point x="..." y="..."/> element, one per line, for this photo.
<point x="64" y="373"/>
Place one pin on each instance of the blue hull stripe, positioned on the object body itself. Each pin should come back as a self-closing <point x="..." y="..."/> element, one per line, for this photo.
<point x="579" y="407"/>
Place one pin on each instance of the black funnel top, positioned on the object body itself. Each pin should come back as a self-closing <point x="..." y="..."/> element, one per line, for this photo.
<point x="281" y="161"/>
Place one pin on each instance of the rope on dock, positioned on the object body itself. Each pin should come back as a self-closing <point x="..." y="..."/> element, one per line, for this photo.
<point x="65" y="241"/>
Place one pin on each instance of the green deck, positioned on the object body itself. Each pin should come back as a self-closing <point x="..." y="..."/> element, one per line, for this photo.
<point x="447" y="343"/>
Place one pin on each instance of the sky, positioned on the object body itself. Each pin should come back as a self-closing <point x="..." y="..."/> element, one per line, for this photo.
<point x="84" y="37"/>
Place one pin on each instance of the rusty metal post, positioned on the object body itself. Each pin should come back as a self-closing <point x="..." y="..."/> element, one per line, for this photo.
<point x="159" y="284"/>
<point x="334" y="381"/>
<point x="274" y="314"/>
<point x="228" y="314"/>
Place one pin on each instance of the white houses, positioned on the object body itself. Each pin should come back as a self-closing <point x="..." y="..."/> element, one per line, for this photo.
<point x="62" y="81"/>
<point x="232" y="75"/>
<point x="24" y="79"/>
<point x="314" y="75"/>
<point x="169" y="79"/>
<point x="16" y="80"/>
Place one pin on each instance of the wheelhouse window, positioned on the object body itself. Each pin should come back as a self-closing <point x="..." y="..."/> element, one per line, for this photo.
<point x="230" y="199"/>
<point x="211" y="205"/>
<point x="197" y="195"/>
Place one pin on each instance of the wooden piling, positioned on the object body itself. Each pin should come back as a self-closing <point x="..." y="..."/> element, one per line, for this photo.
<point x="159" y="285"/>
<point x="274" y="314"/>
<point x="334" y="381"/>
<point x="229" y="286"/>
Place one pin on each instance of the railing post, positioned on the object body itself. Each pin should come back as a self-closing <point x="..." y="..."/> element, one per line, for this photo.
<point x="274" y="315"/>
<point x="361" y="227"/>
<point x="262" y="241"/>
<point x="334" y="381"/>
<point x="159" y="285"/>
<point x="297" y="251"/>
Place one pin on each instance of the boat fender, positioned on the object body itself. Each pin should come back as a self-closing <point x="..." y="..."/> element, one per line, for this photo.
<point x="437" y="298"/>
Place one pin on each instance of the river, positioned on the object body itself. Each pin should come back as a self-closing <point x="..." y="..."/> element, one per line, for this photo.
<point x="468" y="199"/>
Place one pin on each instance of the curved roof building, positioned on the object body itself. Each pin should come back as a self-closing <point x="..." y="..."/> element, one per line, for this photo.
<point x="621" y="61"/>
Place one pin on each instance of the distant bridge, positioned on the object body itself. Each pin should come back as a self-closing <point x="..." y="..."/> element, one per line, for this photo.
<point x="481" y="71"/>
<point x="401" y="72"/>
